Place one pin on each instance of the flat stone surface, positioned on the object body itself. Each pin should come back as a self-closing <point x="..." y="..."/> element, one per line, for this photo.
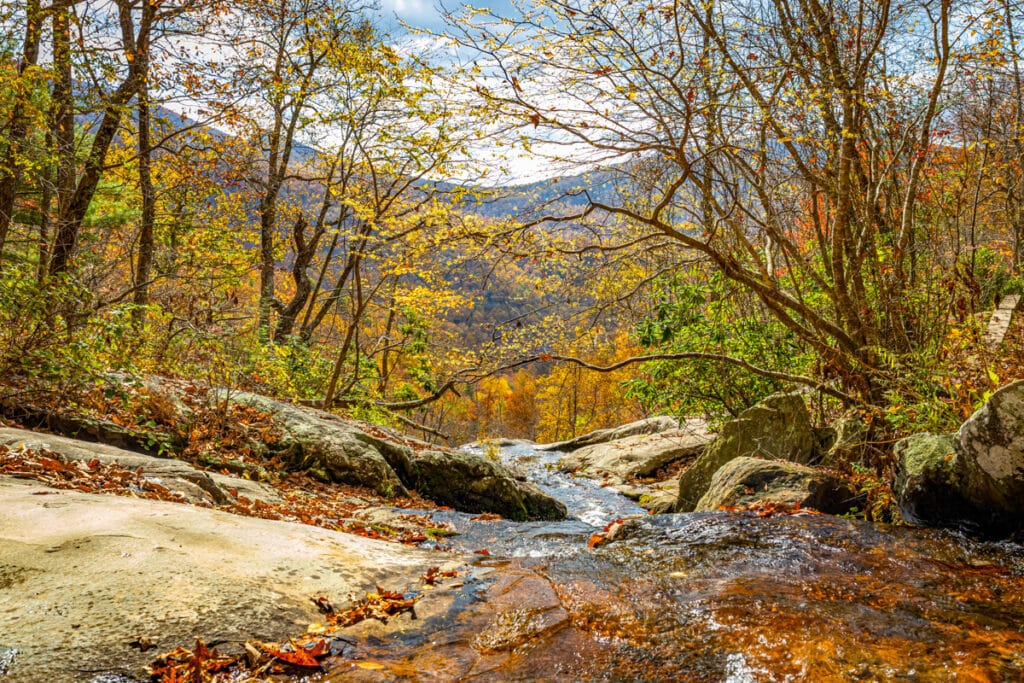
<point x="83" y="575"/>
<point x="637" y="456"/>
<point x="650" y="425"/>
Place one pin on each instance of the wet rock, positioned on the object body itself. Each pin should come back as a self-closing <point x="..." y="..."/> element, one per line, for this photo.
<point x="660" y="501"/>
<point x="651" y="425"/>
<point x="500" y="442"/>
<point x="513" y="627"/>
<point x="195" y="485"/>
<point x="744" y="480"/>
<point x="89" y="574"/>
<point x="636" y="456"/>
<point x="778" y="428"/>
<point x="470" y="481"/>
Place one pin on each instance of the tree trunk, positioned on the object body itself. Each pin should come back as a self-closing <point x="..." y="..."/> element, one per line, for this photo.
<point x="10" y="175"/>
<point x="72" y="214"/>
<point x="144" y="266"/>
<point x="304" y="253"/>
<point x="63" y="137"/>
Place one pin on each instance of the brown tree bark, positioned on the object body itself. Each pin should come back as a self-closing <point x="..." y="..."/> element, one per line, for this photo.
<point x="10" y="170"/>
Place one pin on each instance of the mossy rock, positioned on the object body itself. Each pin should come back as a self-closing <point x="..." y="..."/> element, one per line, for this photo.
<point x="778" y="428"/>
<point x="744" y="480"/>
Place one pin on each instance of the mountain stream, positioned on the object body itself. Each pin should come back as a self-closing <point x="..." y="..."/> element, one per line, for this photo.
<point x="712" y="596"/>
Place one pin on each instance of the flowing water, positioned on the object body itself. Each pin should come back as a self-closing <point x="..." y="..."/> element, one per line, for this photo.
<point x="710" y="596"/>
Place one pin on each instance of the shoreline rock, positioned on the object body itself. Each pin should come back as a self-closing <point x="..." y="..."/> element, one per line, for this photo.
<point x="744" y="481"/>
<point x="650" y="425"/>
<point x="340" y="451"/>
<point x="82" y="575"/>
<point x="636" y="456"/>
<point x="778" y="428"/>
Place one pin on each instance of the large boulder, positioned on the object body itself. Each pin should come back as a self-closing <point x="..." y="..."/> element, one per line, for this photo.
<point x="974" y="479"/>
<point x="470" y="481"/>
<point x="651" y="425"/>
<point x="778" y="428"/>
<point x="82" y="576"/>
<point x="990" y="453"/>
<point x="636" y="456"/>
<point x="338" y="450"/>
<point x="927" y="484"/>
<point x="327" y="447"/>
<point x="743" y="481"/>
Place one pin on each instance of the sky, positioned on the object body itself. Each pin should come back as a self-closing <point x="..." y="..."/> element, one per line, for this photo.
<point x="508" y="163"/>
<point x="426" y="14"/>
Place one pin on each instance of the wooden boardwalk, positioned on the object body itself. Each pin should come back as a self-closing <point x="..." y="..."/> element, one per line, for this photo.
<point x="1000" y="321"/>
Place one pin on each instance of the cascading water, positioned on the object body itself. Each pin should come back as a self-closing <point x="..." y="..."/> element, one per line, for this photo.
<point x="713" y="596"/>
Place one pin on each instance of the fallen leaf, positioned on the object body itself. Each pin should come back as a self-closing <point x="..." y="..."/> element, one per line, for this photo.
<point x="298" y="658"/>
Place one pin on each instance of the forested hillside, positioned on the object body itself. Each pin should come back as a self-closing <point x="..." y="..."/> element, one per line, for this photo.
<point x="728" y="199"/>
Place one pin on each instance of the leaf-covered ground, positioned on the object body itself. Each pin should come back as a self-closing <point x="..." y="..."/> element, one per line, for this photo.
<point x="216" y="436"/>
<point x="304" y="500"/>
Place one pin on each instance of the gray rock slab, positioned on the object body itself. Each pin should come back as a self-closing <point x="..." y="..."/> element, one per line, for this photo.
<point x="83" y="575"/>
<point x="327" y="446"/>
<point x="636" y="456"/>
<point x="999" y="323"/>
<point x="651" y="425"/>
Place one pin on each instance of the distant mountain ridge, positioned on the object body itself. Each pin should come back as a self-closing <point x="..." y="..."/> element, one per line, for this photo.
<point x="551" y="195"/>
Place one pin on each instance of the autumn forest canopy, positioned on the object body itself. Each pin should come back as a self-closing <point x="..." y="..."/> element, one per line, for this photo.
<point x="529" y="225"/>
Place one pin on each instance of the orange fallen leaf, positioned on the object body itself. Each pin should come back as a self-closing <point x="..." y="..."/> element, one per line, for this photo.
<point x="299" y="657"/>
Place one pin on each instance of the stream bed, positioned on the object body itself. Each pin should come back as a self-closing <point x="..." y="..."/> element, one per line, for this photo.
<point x="709" y="596"/>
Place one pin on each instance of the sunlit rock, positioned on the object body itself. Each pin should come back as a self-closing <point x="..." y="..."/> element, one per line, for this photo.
<point x="974" y="479"/>
<point x="651" y="425"/>
<point x="636" y="456"/>
<point x="743" y="481"/>
<point x="82" y="576"/>
<point x="778" y="428"/>
<point x="990" y="454"/>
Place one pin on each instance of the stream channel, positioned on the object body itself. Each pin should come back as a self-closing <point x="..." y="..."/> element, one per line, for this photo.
<point x="712" y="596"/>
